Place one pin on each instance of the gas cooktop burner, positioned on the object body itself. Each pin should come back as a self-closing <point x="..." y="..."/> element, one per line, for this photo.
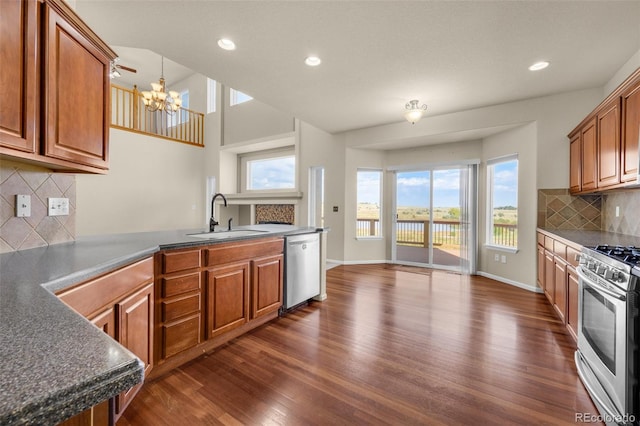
<point x="629" y="254"/>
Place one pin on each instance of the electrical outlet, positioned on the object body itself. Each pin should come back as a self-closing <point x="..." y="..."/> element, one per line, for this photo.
<point x="23" y="205"/>
<point x="617" y="211"/>
<point x="496" y="257"/>
<point x="503" y="259"/>
<point x="335" y="209"/>
<point x="58" y="206"/>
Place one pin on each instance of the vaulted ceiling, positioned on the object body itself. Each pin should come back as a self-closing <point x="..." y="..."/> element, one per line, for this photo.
<point x="377" y="55"/>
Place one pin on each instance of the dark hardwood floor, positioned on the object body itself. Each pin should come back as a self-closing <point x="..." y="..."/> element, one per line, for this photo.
<point x="388" y="346"/>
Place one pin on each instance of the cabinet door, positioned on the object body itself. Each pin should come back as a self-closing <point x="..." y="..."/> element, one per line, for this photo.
<point x="572" y="302"/>
<point x="18" y="94"/>
<point x="106" y="321"/>
<point x="227" y="304"/>
<point x="549" y="276"/>
<point x="266" y="285"/>
<point x="630" y="132"/>
<point x="575" y="163"/>
<point x="609" y="144"/>
<point x="541" y="277"/>
<point x="589" y="156"/>
<point x="560" y="285"/>
<point x="77" y="107"/>
<point x="135" y="332"/>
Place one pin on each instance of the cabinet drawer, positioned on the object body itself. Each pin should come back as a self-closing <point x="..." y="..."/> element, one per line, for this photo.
<point x="541" y="239"/>
<point x="182" y="284"/>
<point x="180" y="335"/>
<point x="572" y="254"/>
<point x="548" y="243"/>
<point x="232" y="252"/>
<point x="173" y="309"/>
<point x="180" y="261"/>
<point x="88" y="298"/>
<point x="560" y="249"/>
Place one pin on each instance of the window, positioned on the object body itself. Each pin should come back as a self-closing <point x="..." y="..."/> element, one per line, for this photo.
<point x="369" y="199"/>
<point x="268" y="171"/>
<point x="237" y="97"/>
<point x="502" y="202"/>
<point x="211" y="96"/>
<point x="181" y="115"/>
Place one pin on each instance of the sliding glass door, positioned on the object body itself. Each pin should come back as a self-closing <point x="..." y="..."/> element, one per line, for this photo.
<point x="434" y="221"/>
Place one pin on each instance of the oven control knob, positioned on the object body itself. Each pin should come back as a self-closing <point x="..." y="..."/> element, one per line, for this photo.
<point x="591" y="266"/>
<point x="610" y="274"/>
<point x="616" y="276"/>
<point x="601" y="270"/>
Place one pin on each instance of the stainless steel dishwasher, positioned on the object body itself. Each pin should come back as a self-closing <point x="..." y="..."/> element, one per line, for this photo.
<point x="302" y="269"/>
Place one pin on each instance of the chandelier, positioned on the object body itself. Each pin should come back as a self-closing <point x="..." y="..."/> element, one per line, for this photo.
<point x="158" y="99"/>
<point x="413" y="111"/>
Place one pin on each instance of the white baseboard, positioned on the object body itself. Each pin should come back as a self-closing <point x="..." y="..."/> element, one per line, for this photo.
<point x="356" y="262"/>
<point x="523" y="286"/>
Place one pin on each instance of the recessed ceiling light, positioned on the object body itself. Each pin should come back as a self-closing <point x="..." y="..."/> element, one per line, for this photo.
<point x="539" y="66"/>
<point x="312" y="61"/>
<point x="226" y="44"/>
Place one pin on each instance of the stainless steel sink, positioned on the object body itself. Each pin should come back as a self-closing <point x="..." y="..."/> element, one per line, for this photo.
<point x="220" y="235"/>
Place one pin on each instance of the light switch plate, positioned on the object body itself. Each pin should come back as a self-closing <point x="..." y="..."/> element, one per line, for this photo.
<point x="58" y="206"/>
<point x="23" y="205"/>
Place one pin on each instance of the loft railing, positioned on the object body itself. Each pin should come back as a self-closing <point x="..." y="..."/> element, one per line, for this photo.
<point x="128" y="113"/>
<point x="445" y="232"/>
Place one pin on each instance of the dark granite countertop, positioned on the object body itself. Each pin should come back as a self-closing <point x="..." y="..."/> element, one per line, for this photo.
<point x="593" y="238"/>
<point x="53" y="362"/>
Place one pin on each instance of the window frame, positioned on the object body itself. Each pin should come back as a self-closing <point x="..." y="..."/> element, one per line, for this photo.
<point x="234" y="96"/>
<point x="180" y="116"/>
<point x="380" y="204"/>
<point x="247" y="158"/>
<point x="211" y="95"/>
<point x="489" y="237"/>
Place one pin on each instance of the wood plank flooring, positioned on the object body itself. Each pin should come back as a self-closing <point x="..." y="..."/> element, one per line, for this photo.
<point x="388" y="346"/>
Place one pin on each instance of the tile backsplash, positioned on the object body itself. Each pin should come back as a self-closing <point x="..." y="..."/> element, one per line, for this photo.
<point x="38" y="230"/>
<point x="557" y="209"/>
<point x="628" y="219"/>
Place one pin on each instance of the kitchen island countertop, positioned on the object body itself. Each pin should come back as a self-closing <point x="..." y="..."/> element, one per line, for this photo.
<point x="55" y="363"/>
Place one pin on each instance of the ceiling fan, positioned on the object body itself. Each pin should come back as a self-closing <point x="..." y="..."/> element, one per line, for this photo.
<point x="115" y="67"/>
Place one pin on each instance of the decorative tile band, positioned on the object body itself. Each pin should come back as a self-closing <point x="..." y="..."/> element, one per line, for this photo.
<point x="557" y="209"/>
<point x="281" y="213"/>
<point x="38" y="230"/>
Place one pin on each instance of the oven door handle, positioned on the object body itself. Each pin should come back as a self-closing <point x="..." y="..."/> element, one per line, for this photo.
<point x="598" y="287"/>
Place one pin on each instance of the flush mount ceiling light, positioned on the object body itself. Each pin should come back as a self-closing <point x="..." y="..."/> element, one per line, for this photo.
<point x="414" y="112"/>
<point x="226" y="44"/>
<point x="158" y="99"/>
<point x="312" y="61"/>
<point x="539" y="66"/>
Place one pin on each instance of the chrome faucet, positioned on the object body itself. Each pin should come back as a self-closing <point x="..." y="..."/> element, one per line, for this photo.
<point x="213" y="222"/>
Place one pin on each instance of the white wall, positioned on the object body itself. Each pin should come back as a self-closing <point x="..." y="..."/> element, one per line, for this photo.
<point x="253" y="120"/>
<point x="521" y="266"/>
<point x="625" y="71"/>
<point x="153" y="184"/>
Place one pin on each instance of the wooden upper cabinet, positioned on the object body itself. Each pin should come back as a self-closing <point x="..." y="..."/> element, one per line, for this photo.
<point x="589" y="155"/>
<point x="77" y="94"/>
<point x="609" y="144"/>
<point x="575" y="162"/>
<point x="18" y="79"/>
<point x="54" y="87"/>
<point x="630" y="131"/>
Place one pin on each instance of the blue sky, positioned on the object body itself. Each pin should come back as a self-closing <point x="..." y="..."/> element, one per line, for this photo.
<point x="272" y="173"/>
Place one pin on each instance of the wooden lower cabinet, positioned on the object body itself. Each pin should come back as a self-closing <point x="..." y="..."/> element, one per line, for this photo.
<point x="558" y="278"/>
<point x="135" y="332"/>
<point x="560" y="286"/>
<point x="266" y="285"/>
<point x="550" y="277"/>
<point x="121" y="303"/>
<point x="227" y="298"/>
<point x="573" y="293"/>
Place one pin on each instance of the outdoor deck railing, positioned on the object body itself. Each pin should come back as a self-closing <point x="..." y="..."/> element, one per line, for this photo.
<point x="128" y="113"/>
<point x="445" y="232"/>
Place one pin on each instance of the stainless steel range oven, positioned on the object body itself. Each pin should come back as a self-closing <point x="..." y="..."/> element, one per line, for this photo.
<point x="608" y="331"/>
